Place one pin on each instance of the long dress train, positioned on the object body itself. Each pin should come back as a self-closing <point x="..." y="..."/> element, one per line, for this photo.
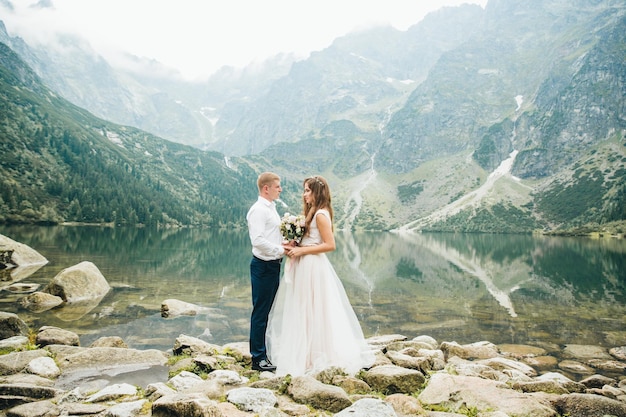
<point x="312" y="325"/>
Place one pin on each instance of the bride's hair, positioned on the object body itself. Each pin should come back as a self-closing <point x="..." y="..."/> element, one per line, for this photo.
<point x="321" y="199"/>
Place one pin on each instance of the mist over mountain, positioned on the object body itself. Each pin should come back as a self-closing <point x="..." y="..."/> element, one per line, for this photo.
<point x="507" y="119"/>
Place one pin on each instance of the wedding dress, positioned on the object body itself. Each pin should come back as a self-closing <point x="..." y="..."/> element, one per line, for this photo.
<point x="312" y="325"/>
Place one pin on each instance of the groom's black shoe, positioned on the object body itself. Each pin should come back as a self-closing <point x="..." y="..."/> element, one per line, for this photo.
<point x="263" y="365"/>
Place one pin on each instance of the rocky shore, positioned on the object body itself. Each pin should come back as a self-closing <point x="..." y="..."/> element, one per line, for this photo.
<point x="47" y="373"/>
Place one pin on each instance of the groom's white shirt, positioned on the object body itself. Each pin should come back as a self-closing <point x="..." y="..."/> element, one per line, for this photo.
<point x="264" y="229"/>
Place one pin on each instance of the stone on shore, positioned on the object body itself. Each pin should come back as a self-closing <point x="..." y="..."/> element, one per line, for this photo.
<point x="308" y="390"/>
<point x="391" y="379"/>
<point x="50" y="335"/>
<point x="368" y="407"/>
<point x="20" y="260"/>
<point x="456" y="391"/>
<point x="40" y="301"/>
<point x="589" y="405"/>
<point x="185" y="405"/>
<point x="174" y="308"/>
<point x="79" y="283"/>
<point x="11" y="325"/>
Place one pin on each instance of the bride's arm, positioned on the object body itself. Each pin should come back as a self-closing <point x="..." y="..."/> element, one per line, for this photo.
<point x="328" y="239"/>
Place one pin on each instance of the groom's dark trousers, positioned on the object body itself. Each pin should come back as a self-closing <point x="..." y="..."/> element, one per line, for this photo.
<point x="264" y="276"/>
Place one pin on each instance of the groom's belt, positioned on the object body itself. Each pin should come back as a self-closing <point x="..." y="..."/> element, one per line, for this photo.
<point x="279" y="260"/>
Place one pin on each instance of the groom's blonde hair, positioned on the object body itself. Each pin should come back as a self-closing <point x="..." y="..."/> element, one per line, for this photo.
<point x="266" y="178"/>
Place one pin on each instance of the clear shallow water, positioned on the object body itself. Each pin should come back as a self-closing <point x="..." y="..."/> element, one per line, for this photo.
<point x="543" y="291"/>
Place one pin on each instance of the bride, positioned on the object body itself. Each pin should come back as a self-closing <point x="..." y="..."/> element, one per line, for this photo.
<point x="312" y="325"/>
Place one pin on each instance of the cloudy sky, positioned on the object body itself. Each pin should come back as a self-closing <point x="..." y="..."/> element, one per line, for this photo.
<point x="199" y="36"/>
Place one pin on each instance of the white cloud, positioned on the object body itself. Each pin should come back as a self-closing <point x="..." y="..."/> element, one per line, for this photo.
<point x="199" y="36"/>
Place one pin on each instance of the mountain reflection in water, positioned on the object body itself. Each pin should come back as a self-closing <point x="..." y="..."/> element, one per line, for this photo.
<point x="455" y="287"/>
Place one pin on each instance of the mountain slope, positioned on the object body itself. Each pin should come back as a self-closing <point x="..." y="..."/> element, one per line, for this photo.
<point x="60" y="163"/>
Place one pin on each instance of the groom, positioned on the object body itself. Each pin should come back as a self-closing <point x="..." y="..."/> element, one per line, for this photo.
<point x="267" y="250"/>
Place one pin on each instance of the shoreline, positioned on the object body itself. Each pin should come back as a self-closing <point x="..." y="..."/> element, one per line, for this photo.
<point x="418" y="376"/>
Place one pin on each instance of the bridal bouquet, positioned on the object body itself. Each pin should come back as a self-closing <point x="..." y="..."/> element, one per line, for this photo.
<point x="292" y="227"/>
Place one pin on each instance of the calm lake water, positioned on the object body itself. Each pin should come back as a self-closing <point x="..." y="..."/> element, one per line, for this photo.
<point x="543" y="291"/>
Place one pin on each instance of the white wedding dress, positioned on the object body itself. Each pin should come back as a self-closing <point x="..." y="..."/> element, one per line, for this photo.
<point x="312" y="325"/>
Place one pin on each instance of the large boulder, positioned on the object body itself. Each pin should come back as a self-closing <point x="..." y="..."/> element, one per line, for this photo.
<point x="40" y="301"/>
<point x="589" y="405"/>
<point x="79" y="283"/>
<point x="50" y="335"/>
<point x="11" y="325"/>
<point x="456" y="391"/>
<point x="308" y="390"/>
<point x="391" y="379"/>
<point x="195" y="405"/>
<point x="20" y="260"/>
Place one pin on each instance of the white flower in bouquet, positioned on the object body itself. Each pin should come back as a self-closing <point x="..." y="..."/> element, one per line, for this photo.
<point x="292" y="227"/>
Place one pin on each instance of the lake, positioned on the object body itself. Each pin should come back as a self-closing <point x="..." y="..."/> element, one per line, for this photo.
<point x="520" y="289"/>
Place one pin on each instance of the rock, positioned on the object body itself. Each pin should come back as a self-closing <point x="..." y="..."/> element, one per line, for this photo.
<point x="503" y="364"/>
<point x="478" y="350"/>
<point x="20" y="259"/>
<point x="226" y="377"/>
<point x="618" y="353"/>
<point x="11" y="325"/>
<point x="541" y="363"/>
<point x="252" y="399"/>
<point x="521" y="351"/>
<point x="15" y="362"/>
<point x="563" y="381"/>
<point x="405" y="405"/>
<point x="45" y="367"/>
<point x="175" y="308"/>
<point x="405" y="344"/>
<point x="126" y="409"/>
<point x="351" y="385"/>
<point x="109" y="341"/>
<point x="410" y="362"/>
<point x="112" y="392"/>
<point x="49" y="335"/>
<point x="368" y="407"/>
<point x="391" y="379"/>
<point x="485" y="395"/>
<point x="158" y="390"/>
<point x="240" y="351"/>
<point x="585" y="352"/>
<point x="428" y="341"/>
<point x="598" y="381"/>
<point x="21" y="288"/>
<point x="188" y="345"/>
<point x="615" y="367"/>
<point x="80" y="409"/>
<point x="552" y="387"/>
<point x="81" y="282"/>
<point x="14" y="343"/>
<point x="27" y="379"/>
<point x="71" y="357"/>
<point x="14" y="394"/>
<point x="40" y="301"/>
<point x="193" y="405"/>
<point x="575" y="367"/>
<point x="184" y="380"/>
<point x="44" y="408"/>
<point x="308" y="390"/>
<point x="381" y="342"/>
<point x="589" y="405"/>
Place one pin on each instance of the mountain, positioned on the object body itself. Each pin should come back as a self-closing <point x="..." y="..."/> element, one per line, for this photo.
<point x="503" y="119"/>
<point x="60" y="163"/>
<point x="140" y="92"/>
